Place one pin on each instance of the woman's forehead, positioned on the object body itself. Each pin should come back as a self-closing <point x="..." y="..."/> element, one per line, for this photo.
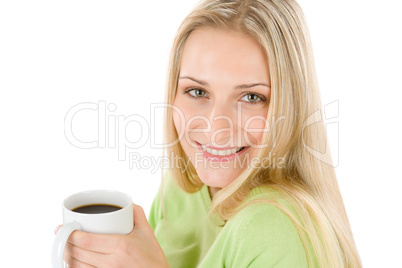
<point x="211" y="53"/>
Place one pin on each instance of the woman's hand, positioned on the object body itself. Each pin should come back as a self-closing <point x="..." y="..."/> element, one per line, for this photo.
<point x="137" y="249"/>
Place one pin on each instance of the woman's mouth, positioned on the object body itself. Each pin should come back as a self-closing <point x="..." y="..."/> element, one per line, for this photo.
<point x="218" y="155"/>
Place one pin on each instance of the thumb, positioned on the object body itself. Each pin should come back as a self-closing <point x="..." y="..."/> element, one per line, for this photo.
<point x="140" y="220"/>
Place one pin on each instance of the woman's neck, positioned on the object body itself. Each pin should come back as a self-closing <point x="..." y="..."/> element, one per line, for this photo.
<point x="213" y="190"/>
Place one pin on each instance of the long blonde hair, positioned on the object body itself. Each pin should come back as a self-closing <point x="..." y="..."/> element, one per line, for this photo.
<point x="306" y="178"/>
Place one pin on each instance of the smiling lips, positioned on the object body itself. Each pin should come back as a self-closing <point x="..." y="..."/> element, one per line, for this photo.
<point x="220" y="154"/>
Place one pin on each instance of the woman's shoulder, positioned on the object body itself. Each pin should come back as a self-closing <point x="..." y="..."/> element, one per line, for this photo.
<point x="265" y="230"/>
<point x="265" y="207"/>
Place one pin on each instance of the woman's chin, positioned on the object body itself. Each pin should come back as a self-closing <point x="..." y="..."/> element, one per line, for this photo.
<point x="217" y="178"/>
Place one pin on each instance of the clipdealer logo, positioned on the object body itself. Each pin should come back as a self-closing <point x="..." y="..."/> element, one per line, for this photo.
<point x="113" y="132"/>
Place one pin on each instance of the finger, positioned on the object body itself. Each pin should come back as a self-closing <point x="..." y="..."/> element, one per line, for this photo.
<point x="93" y="242"/>
<point x="78" y="257"/>
<point x="140" y="220"/>
<point x="56" y="230"/>
<point x="72" y="263"/>
<point x="75" y="263"/>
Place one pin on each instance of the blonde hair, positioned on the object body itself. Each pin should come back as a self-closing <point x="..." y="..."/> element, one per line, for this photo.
<point x="307" y="179"/>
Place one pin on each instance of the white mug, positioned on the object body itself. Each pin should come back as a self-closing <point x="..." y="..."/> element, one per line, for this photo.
<point x="116" y="222"/>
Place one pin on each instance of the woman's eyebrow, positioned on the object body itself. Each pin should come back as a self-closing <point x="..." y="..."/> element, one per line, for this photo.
<point x="195" y="80"/>
<point x="237" y="87"/>
<point x="251" y="85"/>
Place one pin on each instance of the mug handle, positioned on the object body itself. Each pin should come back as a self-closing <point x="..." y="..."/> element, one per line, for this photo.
<point x="60" y="242"/>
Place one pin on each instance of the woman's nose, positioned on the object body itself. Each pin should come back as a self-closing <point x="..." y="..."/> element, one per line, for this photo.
<point x="223" y="122"/>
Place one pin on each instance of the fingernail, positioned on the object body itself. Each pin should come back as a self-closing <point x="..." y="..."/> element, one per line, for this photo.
<point x="56" y="230"/>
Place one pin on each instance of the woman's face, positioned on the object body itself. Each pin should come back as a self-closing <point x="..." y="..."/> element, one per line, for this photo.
<point x="222" y="99"/>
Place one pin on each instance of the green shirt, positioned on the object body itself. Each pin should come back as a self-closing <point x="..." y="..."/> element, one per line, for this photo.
<point x="260" y="235"/>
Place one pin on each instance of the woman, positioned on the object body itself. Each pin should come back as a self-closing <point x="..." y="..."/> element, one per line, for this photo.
<point x="247" y="184"/>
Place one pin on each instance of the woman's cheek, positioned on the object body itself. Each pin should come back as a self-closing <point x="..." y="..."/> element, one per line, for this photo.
<point x="254" y="127"/>
<point x="180" y="114"/>
<point x="179" y="122"/>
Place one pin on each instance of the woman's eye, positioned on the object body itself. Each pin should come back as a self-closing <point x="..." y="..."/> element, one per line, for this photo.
<point x="196" y="92"/>
<point x="251" y="97"/>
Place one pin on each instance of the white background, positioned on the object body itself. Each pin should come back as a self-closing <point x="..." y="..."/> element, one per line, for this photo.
<point x="57" y="54"/>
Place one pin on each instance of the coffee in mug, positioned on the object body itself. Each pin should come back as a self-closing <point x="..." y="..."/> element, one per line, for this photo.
<point x="98" y="211"/>
<point x="96" y="208"/>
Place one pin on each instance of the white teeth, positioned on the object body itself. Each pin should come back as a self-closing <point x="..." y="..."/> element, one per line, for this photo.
<point x="220" y="152"/>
